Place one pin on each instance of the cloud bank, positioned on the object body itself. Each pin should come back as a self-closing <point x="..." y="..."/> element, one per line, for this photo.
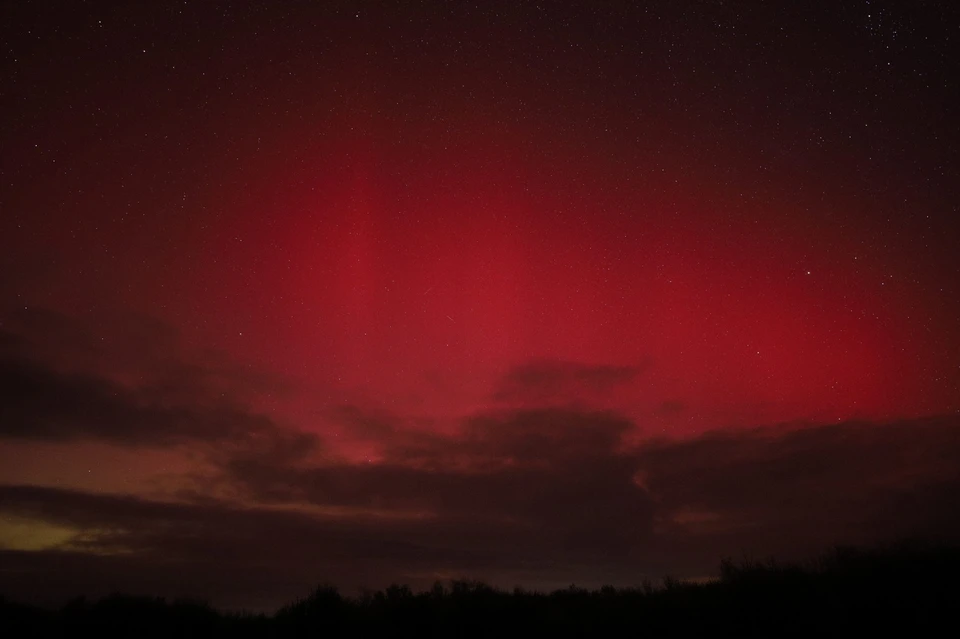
<point x="533" y="493"/>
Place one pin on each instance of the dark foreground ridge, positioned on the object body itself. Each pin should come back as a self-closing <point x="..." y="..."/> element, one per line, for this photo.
<point x="846" y="592"/>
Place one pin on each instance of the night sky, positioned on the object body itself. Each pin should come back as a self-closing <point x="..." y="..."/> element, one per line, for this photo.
<point x="537" y="293"/>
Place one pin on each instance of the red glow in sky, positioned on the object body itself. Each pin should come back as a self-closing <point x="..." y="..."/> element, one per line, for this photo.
<point x="394" y="233"/>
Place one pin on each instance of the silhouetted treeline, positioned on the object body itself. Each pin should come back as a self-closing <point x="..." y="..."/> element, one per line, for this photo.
<point x="847" y="592"/>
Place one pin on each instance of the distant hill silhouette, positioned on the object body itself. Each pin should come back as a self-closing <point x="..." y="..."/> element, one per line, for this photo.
<point x="909" y="589"/>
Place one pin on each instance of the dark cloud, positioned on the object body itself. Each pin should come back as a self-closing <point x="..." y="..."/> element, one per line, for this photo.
<point x="574" y="507"/>
<point x="131" y="347"/>
<point x="553" y="436"/>
<point x="564" y="476"/>
<point x="554" y="473"/>
<point x="547" y="381"/>
<point x="212" y="549"/>
<point x="251" y="556"/>
<point x="57" y="382"/>
<point x="783" y="490"/>
<point x="565" y="472"/>
<point x="39" y="403"/>
<point x="538" y="491"/>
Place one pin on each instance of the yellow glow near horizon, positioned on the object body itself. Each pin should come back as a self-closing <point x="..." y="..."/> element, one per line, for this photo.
<point x="20" y="533"/>
<point x="33" y="535"/>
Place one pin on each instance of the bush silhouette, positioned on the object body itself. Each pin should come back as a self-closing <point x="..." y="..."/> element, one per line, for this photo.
<point x="909" y="588"/>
